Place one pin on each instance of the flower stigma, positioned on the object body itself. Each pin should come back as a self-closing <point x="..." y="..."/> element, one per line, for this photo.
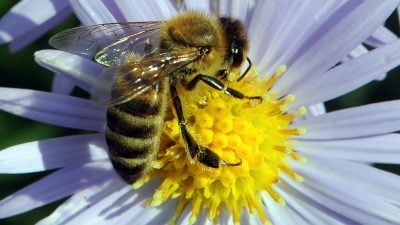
<point x="257" y="133"/>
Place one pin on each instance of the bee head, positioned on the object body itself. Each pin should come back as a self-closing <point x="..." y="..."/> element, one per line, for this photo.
<point x="236" y="39"/>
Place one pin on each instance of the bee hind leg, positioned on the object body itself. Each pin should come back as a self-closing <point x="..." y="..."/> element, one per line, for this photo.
<point x="200" y="153"/>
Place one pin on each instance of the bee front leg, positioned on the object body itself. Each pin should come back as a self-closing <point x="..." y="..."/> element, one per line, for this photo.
<point x="218" y="85"/>
<point x="200" y="153"/>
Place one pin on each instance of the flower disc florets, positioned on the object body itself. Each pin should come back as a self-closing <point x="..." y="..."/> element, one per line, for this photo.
<point x="253" y="132"/>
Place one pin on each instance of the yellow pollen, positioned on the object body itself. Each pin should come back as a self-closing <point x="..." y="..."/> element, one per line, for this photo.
<point x="256" y="133"/>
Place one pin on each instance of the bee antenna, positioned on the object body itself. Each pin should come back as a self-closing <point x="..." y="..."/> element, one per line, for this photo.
<point x="245" y="72"/>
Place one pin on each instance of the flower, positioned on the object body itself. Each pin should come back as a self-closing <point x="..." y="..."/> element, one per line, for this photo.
<point x="296" y="168"/>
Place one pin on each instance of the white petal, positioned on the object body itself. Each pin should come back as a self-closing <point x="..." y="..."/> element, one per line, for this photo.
<point x="324" y="50"/>
<point x="94" y="12"/>
<point x="347" y="76"/>
<point x="367" y="120"/>
<point x="53" y="153"/>
<point x="82" y="200"/>
<point x="150" y="10"/>
<point x="55" y="186"/>
<point x="53" y="108"/>
<point x="81" y="71"/>
<point x="376" y="149"/>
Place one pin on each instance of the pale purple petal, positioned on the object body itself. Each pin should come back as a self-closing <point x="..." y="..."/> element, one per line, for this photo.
<point x="55" y="186"/>
<point x="373" y="207"/>
<point x="379" y="184"/>
<point x="95" y="12"/>
<point x="358" y="51"/>
<point x="150" y="10"/>
<point x="348" y="206"/>
<point x="61" y="85"/>
<point x="28" y="20"/>
<point x="278" y="28"/>
<point x="378" y="149"/>
<point x="347" y="76"/>
<point x="53" y="153"/>
<point x="81" y="71"/>
<point x="367" y="120"/>
<point x="263" y="26"/>
<point x="321" y="52"/>
<point x="82" y="201"/>
<point x="280" y="215"/>
<point x="381" y="37"/>
<point x="125" y="206"/>
<point x="53" y="108"/>
<point x="316" y="110"/>
<point x="314" y="213"/>
<point x="204" y="6"/>
<point x="236" y="9"/>
<point x="246" y="218"/>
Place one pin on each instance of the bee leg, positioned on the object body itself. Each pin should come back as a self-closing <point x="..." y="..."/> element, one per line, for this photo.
<point x="218" y="85"/>
<point x="203" y="154"/>
<point x="246" y="71"/>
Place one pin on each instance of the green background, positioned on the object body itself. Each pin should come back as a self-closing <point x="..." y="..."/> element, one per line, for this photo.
<point x="20" y="70"/>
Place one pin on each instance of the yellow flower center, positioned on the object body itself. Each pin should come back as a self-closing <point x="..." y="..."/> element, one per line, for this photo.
<point x="256" y="133"/>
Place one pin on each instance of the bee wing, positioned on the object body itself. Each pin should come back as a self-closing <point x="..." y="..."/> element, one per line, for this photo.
<point x="122" y="83"/>
<point x="109" y="43"/>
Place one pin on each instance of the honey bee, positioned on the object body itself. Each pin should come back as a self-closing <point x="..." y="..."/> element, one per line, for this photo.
<point x="145" y="62"/>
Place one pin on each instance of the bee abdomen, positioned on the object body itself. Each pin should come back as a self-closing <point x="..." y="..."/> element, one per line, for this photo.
<point x="128" y="147"/>
<point x="130" y="125"/>
<point x="132" y="147"/>
<point x="145" y="105"/>
<point x="129" y="169"/>
<point x="131" y="156"/>
<point x="134" y="131"/>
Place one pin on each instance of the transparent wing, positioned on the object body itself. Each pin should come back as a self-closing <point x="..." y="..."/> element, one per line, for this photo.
<point x="124" y="82"/>
<point x="110" y="43"/>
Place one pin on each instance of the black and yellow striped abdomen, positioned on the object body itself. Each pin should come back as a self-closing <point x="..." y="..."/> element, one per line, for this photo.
<point x="133" y="132"/>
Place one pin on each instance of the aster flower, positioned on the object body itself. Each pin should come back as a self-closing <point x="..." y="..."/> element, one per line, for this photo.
<point x="297" y="167"/>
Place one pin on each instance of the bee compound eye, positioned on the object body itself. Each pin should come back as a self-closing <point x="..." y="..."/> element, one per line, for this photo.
<point x="237" y="54"/>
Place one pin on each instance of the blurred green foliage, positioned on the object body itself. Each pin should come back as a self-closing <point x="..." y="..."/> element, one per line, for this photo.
<point x="19" y="70"/>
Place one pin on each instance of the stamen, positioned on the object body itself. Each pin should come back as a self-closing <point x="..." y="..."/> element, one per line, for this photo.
<point x="292" y="131"/>
<point x="277" y="198"/>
